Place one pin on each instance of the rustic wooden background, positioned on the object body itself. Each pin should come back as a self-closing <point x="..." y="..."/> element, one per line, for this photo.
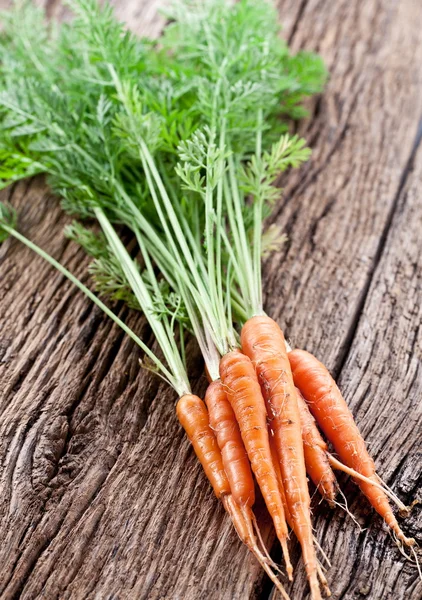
<point x="101" y="496"/>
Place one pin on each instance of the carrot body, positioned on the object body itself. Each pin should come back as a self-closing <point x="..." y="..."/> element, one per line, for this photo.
<point x="315" y="450"/>
<point x="235" y="460"/>
<point x="193" y="416"/>
<point x="289" y="519"/>
<point x="276" y="463"/>
<point x="332" y="414"/>
<point x="263" y="342"/>
<point x="243" y="392"/>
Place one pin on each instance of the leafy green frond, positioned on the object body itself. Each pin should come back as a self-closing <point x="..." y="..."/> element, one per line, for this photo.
<point x="309" y="75"/>
<point x="260" y="174"/>
<point x="182" y="143"/>
<point x="170" y="304"/>
<point x="135" y="123"/>
<point x="199" y="161"/>
<point x="242" y="64"/>
<point x="106" y="272"/>
<point x="104" y="40"/>
<point x="15" y="165"/>
<point x="24" y="41"/>
<point x="110" y="281"/>
<point x="93" y="243"/>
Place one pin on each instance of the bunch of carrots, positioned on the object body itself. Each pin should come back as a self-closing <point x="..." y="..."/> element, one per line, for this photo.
<point x="182" y="143"/>
<point x="292" y="392"/>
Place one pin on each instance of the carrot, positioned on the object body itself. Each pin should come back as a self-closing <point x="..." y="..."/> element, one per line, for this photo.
<point x="276" y="463"/>
<point x="332" y="414"/>
<point x="235" y="460"/>
<point x="243" y="392"/>
<point x="263" y="342"/>
<point x="289" y="519"/>
<point x="193" y="416"/>
<point x="315" y="450"/>
<point x="242" y="519"/>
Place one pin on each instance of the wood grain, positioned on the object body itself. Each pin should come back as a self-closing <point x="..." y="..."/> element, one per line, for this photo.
<point x="101" y="496"/>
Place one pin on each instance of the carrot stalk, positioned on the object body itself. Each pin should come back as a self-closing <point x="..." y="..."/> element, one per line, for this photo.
<point x="332" y="414"/>
<point x="315" y="450"/>
<point x="243" y="392"/>
<point x="263" y="342"/>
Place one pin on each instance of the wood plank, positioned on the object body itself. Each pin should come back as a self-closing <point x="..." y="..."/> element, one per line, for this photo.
<point x="362" y="130"/>
<point x="381" y="380"/>
<point x="101" y="496"/>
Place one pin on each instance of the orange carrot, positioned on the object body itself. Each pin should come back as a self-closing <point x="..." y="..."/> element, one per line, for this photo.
<point x="289" y="519"/>
<point x="276" y="463"/>
<point x="243" y="392"/>
<point x="315" y="450"/>
<point x="235" y="460"/>
<point x="332" y="414"/>
<point x="263" y="342"/>
<point x="193" y="416"/>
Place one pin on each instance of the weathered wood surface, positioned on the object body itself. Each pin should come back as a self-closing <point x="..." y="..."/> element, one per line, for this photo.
<point x="101" y="496"/>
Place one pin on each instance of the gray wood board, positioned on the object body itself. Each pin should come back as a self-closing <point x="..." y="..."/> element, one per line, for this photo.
<point x="101" y="496"/>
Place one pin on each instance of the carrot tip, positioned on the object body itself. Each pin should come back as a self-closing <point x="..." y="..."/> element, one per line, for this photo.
<point x="323" y="581"/>
<point x="405" y="512"/>
<point x="289" y="568"/>
<point x="408" y="541"/>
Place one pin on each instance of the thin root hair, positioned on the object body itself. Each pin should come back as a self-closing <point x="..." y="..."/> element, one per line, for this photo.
<point x="346" y="509"/>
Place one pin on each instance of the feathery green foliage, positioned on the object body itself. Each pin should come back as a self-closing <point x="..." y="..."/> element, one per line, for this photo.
<point x="179" y="142"/>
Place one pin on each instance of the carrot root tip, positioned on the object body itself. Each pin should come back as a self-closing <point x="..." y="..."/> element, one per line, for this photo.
<point x="416" y="560"/>
<point x="323" y="580"/>
<point x="289" y="568"/>
<point x="406" y="511"/>
<point x="263" y="546"/>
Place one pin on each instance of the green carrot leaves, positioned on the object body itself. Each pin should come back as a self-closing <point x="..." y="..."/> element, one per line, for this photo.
<point x="179" y="142"/>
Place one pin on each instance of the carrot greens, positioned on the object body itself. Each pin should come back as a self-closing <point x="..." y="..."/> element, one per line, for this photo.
<point x="157" y="140"/>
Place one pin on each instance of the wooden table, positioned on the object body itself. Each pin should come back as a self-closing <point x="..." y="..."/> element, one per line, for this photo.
<point x="101" y="495"/>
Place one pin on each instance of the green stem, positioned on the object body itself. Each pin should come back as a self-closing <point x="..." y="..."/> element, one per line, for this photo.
<point x="167" y="344"/>
<point x="73" y="279"/>
<point x="257" y="228"/>
<point x="153" y="279"/>
<point x="189" y="232"/>
<point x="235" y="252"/>
<point x="223" y="316"/>
<point x="171" y="215"/>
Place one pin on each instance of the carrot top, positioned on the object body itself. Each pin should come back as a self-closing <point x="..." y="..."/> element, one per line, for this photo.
<point x="180" y="143"/>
